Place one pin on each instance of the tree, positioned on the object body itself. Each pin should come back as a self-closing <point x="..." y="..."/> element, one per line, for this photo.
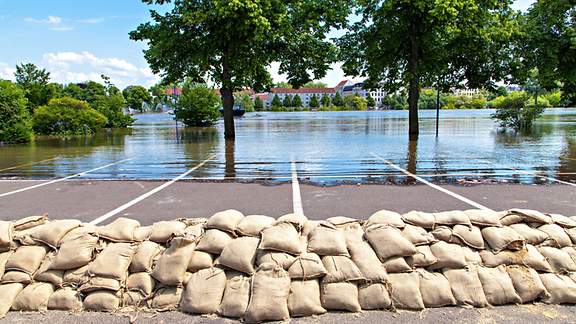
<point x="297" y="101"/>
<point x="233" y="42"/>
<point x="410" y="44"/>
<point x="246" y="102"/>
<point x="67" y="116"/>
<point x="276" y="102"/>
<point x="287" y="102"/>
<point x="359" y="103"/>
<point x="136" y="96"/>
<point x="314" y="102"/>
<point x="370" y="101"/>
<point x="314" y="85"/>
<point x="15" y="125"/>
<point x="91" y="91"/>
<point x="34" y="81"/>
<point x="325" y="100"/>
<point x="283" y="84"/>
<point x="337" y="100"/>
<point x="112" y="106"/>
<point x="198" y="105"/>
<point x="513" y="112"/>
<point x="258" y="104"/>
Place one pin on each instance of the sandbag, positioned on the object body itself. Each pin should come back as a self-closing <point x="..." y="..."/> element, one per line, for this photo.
<point x="341" y="269"/>
<point x="452" y="218"/>
<point x="100" y="283"/>
<point x="33" y="297"/>
<point x="51" y="233"/>
<point x="146" y="255"/>
<point x="76" y="277"/>
<point x="527" y="283"/>
<point x="449" y="256"/>
<point x="498" y="287"/>
<point x="484" y="218"/>
<point x="29" y="222"/>
<point x="282" y="259"/>
<point x="226" y="220"/>
<point x="134" y="299"/>
<point x="514" y="216"/>
<point x="405" y="291"/>
<point x="530" y="257"/>
<point x="252" y="225"/>
<point x="26" y="258"/>
<point x="200" y="260"/>
<point x="171" y="266"/>
<point x="367" y="261"/>
<point x="270" y="290"/>
<point x="340" y="296"/>
<point x="102" y="301"/>
<point x="65" y="299"/>
<point x="307" y="266"/>
<point x="466" y="286"/>
<point x="559" y="260"/>
<point x="563" y="221"/>
<point x="281" y="237"/>
<point x="385" y="217"/>
<point x="561" y="288"/>
<point x="298" y="221"/>
<point x="471" y="256"/>
<point x="55" y="277"/>
<point x="374" y="296"/>
<point x="469" y="235"/>
<point x="214" y="241"/>
<point x="162" y="231"/>
<point x="417" y="235"/>
<point x="388" y="242"/>
<point x="4" y="256"/>
<point x="121" y="230"/>
<point x="397" y="265"/>
<point x="304" y="298"/>
<point x="569" y="249"/>
<point x="75" y="252"/>
<point x="326" y="239"/>
<point x="423" y="257"/>
<point x="240" y="254"/>
<point x="444" y="233"/>
<point x="531" y="235"/>
<point x="204" y="292"/>
<point x="420" y="219"/>
<point x="571" y="233"/>
<point x="117" y="254"/>
<point x="16" y="277"/>
<point x="343" y="221"/>
<point x="8" y="293"/>
<point x="141" y="282"/>
<point x="353" y="233"/>
<point x="6" y="235"/>
<point x="166" y="299"/>
<point x="236" y="295"/>
<point x="141" y="234"/>
<point x="502" y="238"/>
<point x="557" y="234"/>
<point x="435" y="289"/>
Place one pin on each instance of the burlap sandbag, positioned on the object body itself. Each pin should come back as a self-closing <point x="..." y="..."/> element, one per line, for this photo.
<point x="6" y="235"/>
<point x="498" y="287"/>
<point x="166" y="299"/>
<point x="29" y="222"/>
<point x="527" y="283"/>
<point x="252" y="225"/>
<point x="44" y="274"/>
<point x="133" y="299"/>
<point x="469" y="235"/>
<point x="270" y="290"/>
<point x="502" y="238"/>
<point x="141" y="282"/>
<point x="171" y="267"/>
<point x="563" y="221"/>
<point x="559" y="260"/>
<point x="530" y="256"/>
<point x="142" y="233"/>
<point x="282" y="259"/>
<point x="226" y="220"/>
<point x="423" y="257"/>
<point x="102" y="301"/>
<point x="417" y="235"/>
<point x="240" y="254"/>
<point x="65" y="299"/>
<point x="435" y="289"/>
<point x="341" y="269"/>
<point x="76" y="277"/>
<point x="146" y="254"/>
<point x="367" y="261"/>
<point x="397" y="265"/>
<point x="26" y="258"/>
<point x="204" y="292"/>
<point x="214" y="241"/>
<point x="304" y="298"/>
<point x="569" y="249"/>
<point x="531" y="235"/>
<point x="295" y="219"/>
<point x="466" y="286"/>
<point x="387" y="242"/>
<point x="558" y="236"/>
<point x="420" y="219"/>
<point x="236" y="295"/>
<point x="326" y="239"/>
<point x="385" y="217"/>
<point x="117" y="254"/>
<point x="353" y="233"/>
<point x="162" y="231"/>
<point x="484" y="218"/>
<point x="4" y="256"/>
<point x="471" y="256"/>
<point x="452" y="218"/>
<point x="8" y="293"/>
<point x="444" y="233"/>
<point x="33" y="297"/>
<point x="51" y="233"/>
<point x="514" y="216"/>
<point x="571" y="233"/>
<point x="306" y="266"/>
<point x="282" y="237"/>
<point x="121" y="230"/>
<point x="100" y="283"/>
<point x="343" y="221"/>
<point x="374" y="296"/>
<point x="561" y="288"/>
<point x="449" y="256"/>
<point x="75" y="252"/>
<point x="340" y="296"/>
<point x="200" y="260"/>
<point x="405" y="291"/>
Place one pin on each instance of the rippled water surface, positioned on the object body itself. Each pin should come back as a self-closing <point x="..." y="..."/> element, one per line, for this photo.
<point x="328" y="147"/>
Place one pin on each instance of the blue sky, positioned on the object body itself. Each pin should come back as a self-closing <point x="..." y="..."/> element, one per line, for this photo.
<point x="80" y="40"/>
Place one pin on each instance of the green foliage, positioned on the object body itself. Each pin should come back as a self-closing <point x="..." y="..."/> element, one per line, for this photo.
<point x="258" y="104"/>
<point x="246" y="102"/>
<point x="501" y="91"/>
<point x="15" y="125"/>
<point x="198" y="105"/>
<point x="325" y="101"/>
<point x="283" y="84"/>
<point x="34" y="81"/>
<point x="370" y="101"/>
<point x="67" y="116"/>
<point x="113" y="108"/>
<point x="554" y="98"/>
<point x="314" y="102"/>
<point x="276" y="102"/>
<point x="395" y="101"/>
<point x="359" y="103"/>
<point x="287" y="101"/>
<point x="514" y="112"/>
<point x="337" y="100"/>
<point x="296" y="101"/>
<point x="136" y="96"/>
<point x="312" y="84"/>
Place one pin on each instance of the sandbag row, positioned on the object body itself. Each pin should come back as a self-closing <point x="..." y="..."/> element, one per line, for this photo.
<point x="258" y="268"/>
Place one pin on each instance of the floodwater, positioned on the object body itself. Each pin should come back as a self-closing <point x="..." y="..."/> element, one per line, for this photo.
<point x="327" y="147"/>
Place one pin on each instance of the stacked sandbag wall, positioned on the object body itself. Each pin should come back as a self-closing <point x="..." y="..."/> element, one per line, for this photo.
<point x="258" y="268"/>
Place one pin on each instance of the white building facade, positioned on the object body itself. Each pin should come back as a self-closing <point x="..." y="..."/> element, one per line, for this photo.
<point x="358" y="90"/>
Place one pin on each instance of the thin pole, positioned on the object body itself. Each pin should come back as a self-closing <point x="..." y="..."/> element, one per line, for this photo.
<point x="437" y="106"/>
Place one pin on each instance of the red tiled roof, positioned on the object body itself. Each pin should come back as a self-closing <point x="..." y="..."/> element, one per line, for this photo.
<point x="173" y="91"/>
<point x="341" y="84"/>
<point x="263" y="96"/>
<point x="303" y="90"/>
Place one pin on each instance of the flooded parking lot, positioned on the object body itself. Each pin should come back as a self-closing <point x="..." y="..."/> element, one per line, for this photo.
<point x="327" y="147"/>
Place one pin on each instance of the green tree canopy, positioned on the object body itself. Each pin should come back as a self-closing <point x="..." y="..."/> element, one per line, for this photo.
<point x="325" y="100"/>
<point x="246" y="102"/>
<point x="136" y="96"/>
<point x="315" y="85"/>
<point x="287" y="102"/>
<point x="296" y="101"/>
<point x="198" y="105"/>
<point x="370" y="101"/>
<point x="258" y="104"/>
<point x="35" y="82"/>
<point x="67" y="116"/>
<point x="233" y="42"/>
<point x="337" y="100"/>
<point x="314" y="102"/>
<point x="15" y="126"/>
<point x="276" y="102"/>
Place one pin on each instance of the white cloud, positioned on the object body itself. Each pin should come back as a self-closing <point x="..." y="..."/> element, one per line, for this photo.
<point x="90" y="20"/>
<point x="7" y="71"/>
<point x="54" y="22"/>
<point x="332" y="78"/>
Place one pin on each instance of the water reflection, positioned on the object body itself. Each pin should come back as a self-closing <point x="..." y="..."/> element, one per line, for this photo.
<point x="230" y="168"/>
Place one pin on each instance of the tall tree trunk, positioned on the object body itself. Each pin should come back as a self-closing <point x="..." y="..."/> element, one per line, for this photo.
<point x="414" y="87"/>
<point x="227" y="100"/>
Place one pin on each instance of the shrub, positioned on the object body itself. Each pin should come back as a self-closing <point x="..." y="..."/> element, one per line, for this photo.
<point x="258" y="104"/>
<point x="514" y="112"/>
<point x="15" y="125"/>
<point x="198" y="105"/>
<point x="113" y="108"/>
<point x="67" y="116"/>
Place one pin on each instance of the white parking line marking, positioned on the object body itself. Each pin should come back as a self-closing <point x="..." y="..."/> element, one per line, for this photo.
<point x="62" y="179"/>
<point x="148" y="194"/>
<point x="296" y="197"/>
<point x="27" y="164"/>
<point x="446" y="191"/>
<point x="544" y="177"/>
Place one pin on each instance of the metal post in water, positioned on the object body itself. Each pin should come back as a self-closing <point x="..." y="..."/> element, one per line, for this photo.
<point x="437" y="106"/>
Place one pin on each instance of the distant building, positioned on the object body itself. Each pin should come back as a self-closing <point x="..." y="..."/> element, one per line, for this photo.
<point x="466" y="92"/>
<point x="359" y="90"/>
<point x="305" y="94"/>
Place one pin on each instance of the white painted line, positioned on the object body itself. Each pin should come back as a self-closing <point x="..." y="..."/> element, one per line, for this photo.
<point x="446" y="191"/>
<point x="544" y="177"/>
<point x="61" y="179"/>
<point x="296" y="197"/>
<point x="26" y="164"/>
<point x="148" y="194"/>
